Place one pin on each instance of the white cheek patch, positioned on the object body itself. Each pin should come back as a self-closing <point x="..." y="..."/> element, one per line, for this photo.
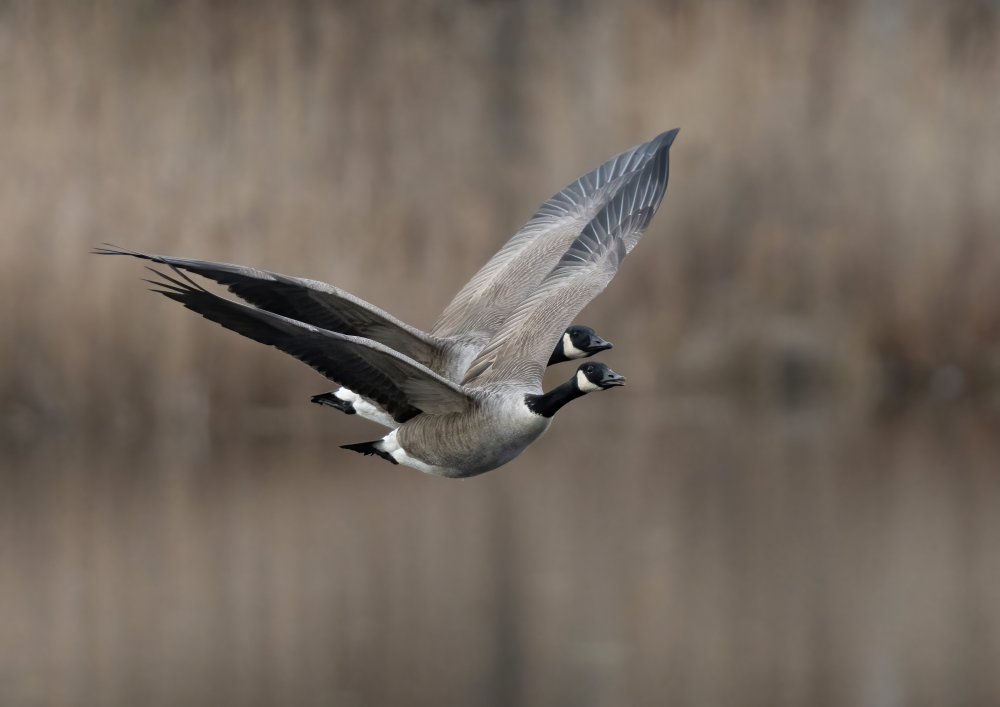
<point x="569" y="350"/>
<point x="584" y="384"/>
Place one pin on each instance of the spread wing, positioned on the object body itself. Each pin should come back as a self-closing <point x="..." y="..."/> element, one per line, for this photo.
<point x="524" y="261"/>
<point x="309" y="301"/>
<point x="521" y="347"/>
<point x="402" y="386"/>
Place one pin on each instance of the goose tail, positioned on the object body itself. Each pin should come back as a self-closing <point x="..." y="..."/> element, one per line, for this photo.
<point x="369" y="448"/>
<point x="331" y="400"/>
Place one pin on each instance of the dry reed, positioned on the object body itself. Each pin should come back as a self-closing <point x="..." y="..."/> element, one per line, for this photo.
<point x="831" y="221"/>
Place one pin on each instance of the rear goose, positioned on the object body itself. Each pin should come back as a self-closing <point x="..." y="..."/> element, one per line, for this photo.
<point x="460" y="430"/>
<point x="477" y="311"/>
<point x="576" y="342"/>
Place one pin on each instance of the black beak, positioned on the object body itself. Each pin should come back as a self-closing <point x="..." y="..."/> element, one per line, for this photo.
<point x="598" y="344"/>
<point x="612" y="379"/>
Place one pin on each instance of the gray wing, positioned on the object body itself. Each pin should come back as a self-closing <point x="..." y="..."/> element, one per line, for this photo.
<point x="523" y="262"/>
<point x="402" y="386"/>
<point x="310" y="301"/>
<point x="519" y="350"/>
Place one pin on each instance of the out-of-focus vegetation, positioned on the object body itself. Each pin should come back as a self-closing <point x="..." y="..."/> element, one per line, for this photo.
<point x="177" y="525"/>
<point x="831" y="223"/>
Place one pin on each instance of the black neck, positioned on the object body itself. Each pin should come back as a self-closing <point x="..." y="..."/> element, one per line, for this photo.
<point x="548" y="404"/>
<point x="557" y="355"/>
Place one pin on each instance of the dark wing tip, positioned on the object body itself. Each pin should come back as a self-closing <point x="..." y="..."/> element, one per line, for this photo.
<point x="108" y="249"/>
<point x="112" y="249"/>
<point x="667" y="139"/>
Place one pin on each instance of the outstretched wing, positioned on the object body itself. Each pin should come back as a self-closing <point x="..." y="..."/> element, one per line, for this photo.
<point x="402" y="386"/>
<point x="309" y="301"/>
<point x="524" y="261"/>
<point x="521" y="347"/>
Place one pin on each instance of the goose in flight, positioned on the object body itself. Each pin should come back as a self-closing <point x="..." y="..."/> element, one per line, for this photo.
<point x="476" y="312"/>
<point x="463" y="429"/>
<point x="327" y="307"/>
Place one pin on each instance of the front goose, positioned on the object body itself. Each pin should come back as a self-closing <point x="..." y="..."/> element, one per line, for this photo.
<point x="460" y="430"/>
<point x="576" y="342"/>
<point x="475" y="314"/>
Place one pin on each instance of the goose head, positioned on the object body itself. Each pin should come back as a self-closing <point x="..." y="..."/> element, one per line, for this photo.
<point x="578" y="342"/>
<point x="589" y="377"/>
<point x="594" y="376"/>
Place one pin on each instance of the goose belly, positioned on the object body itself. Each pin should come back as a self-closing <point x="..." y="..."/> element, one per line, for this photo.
<point x="459" y="446"/>
<point x="390" y="443"/>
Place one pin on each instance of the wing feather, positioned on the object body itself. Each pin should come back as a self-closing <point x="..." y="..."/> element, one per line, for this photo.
<point x="520" y="348"/>
<point x="309" y="301"/>
<point x="402" y="386"/>
<point x="523" y="262"/>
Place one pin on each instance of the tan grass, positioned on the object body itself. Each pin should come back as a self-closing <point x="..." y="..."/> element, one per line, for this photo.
<point x="835" y="183"/>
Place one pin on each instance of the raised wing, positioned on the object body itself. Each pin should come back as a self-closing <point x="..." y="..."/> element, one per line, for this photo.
<point x="524" y="261"/>
<point x="309" y="301"/>
<point x="402" y="386"/>
<point x="521" y="347"/>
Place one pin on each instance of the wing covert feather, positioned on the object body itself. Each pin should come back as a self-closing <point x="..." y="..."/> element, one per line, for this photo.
<point x="519" y="349"/>
<point x="523" y="262"/>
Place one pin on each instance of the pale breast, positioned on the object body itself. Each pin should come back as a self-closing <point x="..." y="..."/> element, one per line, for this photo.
<point x="471" y="443"/>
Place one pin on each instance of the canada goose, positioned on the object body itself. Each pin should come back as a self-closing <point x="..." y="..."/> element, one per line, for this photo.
<point x="328" y="307"/>
<point x="459" y="430"/>
<point x="577" y="342"/>
<point x="476" y="312"/>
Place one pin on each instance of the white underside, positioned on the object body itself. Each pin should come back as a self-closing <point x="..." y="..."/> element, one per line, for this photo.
<point x="390" y="445"/>
<point x="366" y="408"/>
<point x="348" y="395"/>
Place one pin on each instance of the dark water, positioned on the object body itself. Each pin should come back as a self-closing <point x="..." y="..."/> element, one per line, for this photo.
<point x="702" y="555"/>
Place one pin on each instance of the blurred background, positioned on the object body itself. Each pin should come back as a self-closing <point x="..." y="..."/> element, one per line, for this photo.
<point x="796" y="500"/>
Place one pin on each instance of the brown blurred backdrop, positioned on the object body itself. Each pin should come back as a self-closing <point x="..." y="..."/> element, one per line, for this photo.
<point x="795" y="501"/>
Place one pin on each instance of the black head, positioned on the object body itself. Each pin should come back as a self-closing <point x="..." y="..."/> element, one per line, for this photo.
<point x="597" y="376"/>
<point x="578" y="342"/>
<point x="589" y="378"/>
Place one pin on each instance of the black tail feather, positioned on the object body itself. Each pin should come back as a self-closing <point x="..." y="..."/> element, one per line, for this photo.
<point x="331" y="400"/>
<point x="368" y="448"/>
